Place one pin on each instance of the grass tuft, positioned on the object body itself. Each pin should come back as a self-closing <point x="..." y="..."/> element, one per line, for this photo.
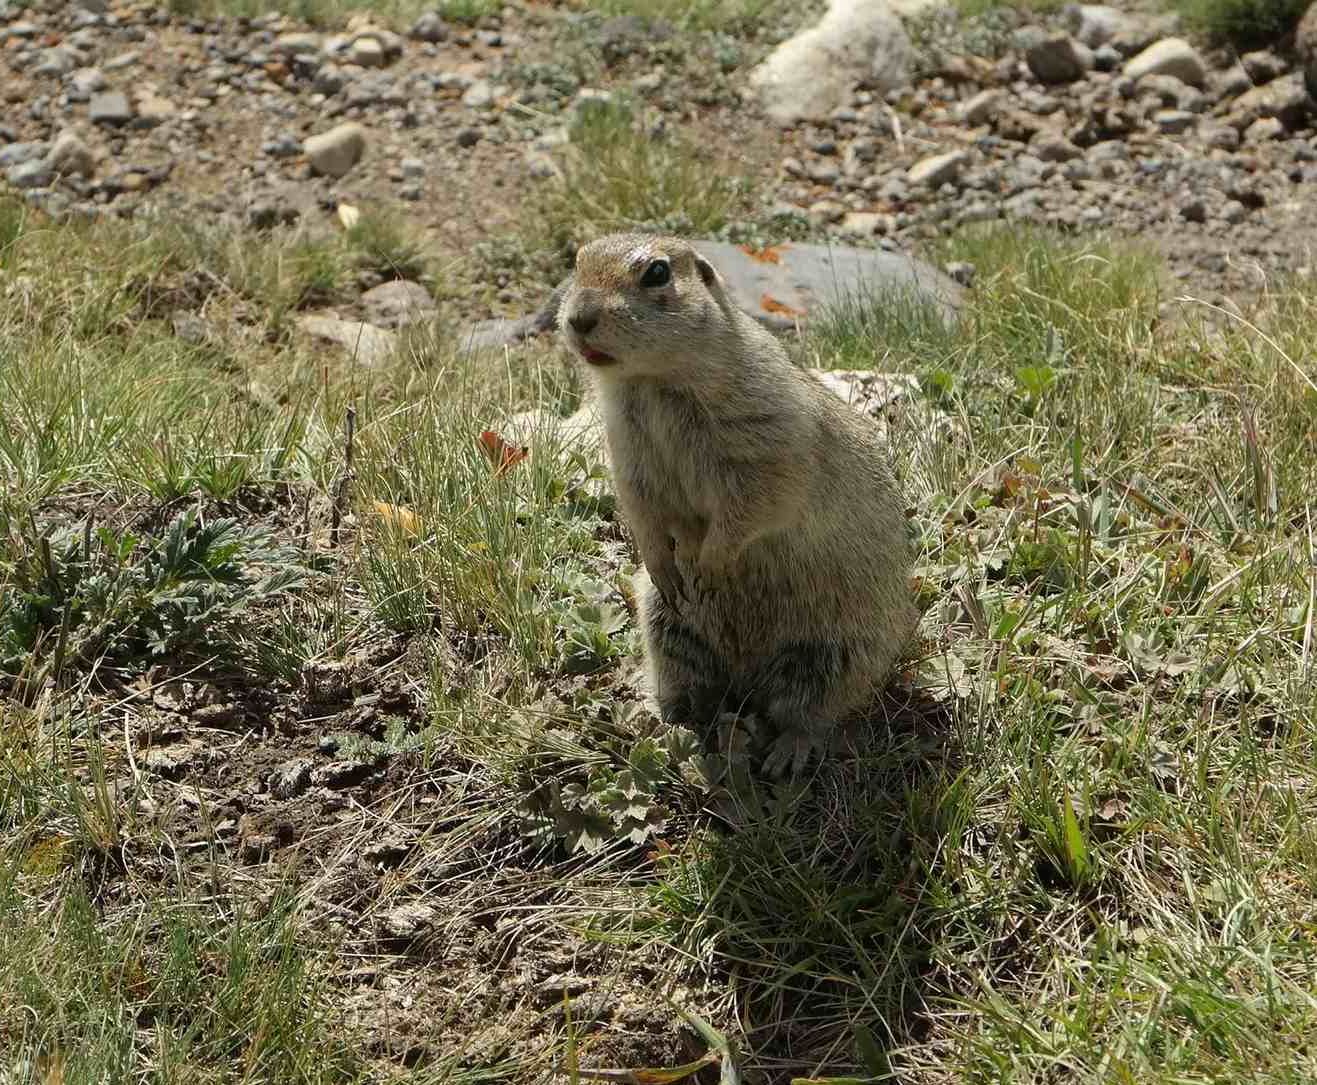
<point x="1245" y="23"/>
<point x="622" y="172"/>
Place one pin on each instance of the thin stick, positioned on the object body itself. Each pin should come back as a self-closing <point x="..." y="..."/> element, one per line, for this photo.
<point x="341" y="496"/>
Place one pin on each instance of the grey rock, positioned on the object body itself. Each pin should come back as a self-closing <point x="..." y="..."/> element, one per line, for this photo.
<point x="1224" y="137"/>
<point x="1059" y="59"/>
<point x="824" y="173"/>
<point x="408" y="922"/>
<point x="13" y="154"/>
<point x="814" y="72"/>
<point x="85" y="82"/>
<point x="1263" y="66"/>
<point x="284" y="145"/>
<point x="412" y="168"/>
<point x="1171" y="92"/>
<point x="36" y="173"/>
<point x="806" y="279"/>
<point x="335" y="152"/>
<point x="329" y="80"/>
<point x="338" y="774"/>
<point x="1107" y="58"/>
<point x="1230" y="83"/>
<point x="468" y="137"/>
<point x="70" y="156"/>
<point x="495" y="334"/>
<point x="1285" y="99"/>
<point x="1234" y="212"/>
<point x="398" y="303"/>
<point x="57" y="61"/>
<point x="981" y="108"/>
<point x="1174" y="122"/>
<point x="863" y="223"/>
<point x="1264" y="129"/>
<point x="430" y="27"/>
<point x="110" y="107"/>
<point x="298" y="44"/>
<point x="938" y="169"/>
<point x="1054" y="148"/>
<point x="1096" y="24"/>
<point x="369" y="345"/>
<point x="368" y="52"/>
<point x="1170" y="56"/>
<point x="291" y="778"/>
<point x="479" y="95"/>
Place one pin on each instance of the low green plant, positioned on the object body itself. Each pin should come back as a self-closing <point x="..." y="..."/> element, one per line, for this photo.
<point x="620" y="172"/>
<point x="382" y="244"/>
<point x="1245" y="23"/>
<point x="696" y="14"/>
<point x="83" y="595"/>
<point x="625" y="798"/>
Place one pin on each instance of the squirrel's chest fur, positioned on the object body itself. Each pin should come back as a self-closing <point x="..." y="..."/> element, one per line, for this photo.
<point x="663" y="446"/>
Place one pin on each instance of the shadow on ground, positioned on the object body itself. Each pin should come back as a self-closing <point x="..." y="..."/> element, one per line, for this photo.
<point x="820" y="913"/>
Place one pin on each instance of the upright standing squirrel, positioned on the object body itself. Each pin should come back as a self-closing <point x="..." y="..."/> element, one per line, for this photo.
<point x="763" y="507"/>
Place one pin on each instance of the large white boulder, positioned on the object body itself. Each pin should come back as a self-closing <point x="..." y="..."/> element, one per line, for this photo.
<point x="811" y="74"/>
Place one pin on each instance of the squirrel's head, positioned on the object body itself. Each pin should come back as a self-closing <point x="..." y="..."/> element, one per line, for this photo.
<point x="641" y="305"/>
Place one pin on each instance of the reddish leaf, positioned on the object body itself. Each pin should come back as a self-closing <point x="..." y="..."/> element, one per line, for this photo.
<point x="770" y="304"/>
<point x="769" y="254"/>
<point x="502" y="454"/>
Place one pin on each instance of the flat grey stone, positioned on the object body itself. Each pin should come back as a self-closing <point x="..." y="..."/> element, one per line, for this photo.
<point x="368" y="344"/>
<point x="110" y="107"/>
<point x="495" y="334"/>
<point x="13" y="154"/>
<point x="33" y="174"/>
<point x="789" y="283"/>
<point x="397" y="303"/>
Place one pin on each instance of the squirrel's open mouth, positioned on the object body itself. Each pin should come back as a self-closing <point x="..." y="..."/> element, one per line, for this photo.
<point x="596" y="357"/>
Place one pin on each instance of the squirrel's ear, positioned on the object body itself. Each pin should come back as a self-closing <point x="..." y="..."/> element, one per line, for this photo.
<point x="708" y="273"/>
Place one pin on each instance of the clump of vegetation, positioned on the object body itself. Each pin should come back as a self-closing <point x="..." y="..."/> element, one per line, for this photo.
<point x="622" y="171"/>
<point x="1246" y="23"/>
<point x="86" y="594"/>
<point x="382" y="245"/>
<point x="696" y="14"/>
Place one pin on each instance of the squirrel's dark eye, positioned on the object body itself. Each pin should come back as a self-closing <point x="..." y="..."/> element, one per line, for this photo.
<point x="659" y="273"/>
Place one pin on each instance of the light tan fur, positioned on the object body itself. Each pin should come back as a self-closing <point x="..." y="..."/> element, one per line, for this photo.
<point x="763" y="508"/>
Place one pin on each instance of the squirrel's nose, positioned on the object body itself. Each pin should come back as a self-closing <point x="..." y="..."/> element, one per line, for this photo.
<point x="583" y="322"/>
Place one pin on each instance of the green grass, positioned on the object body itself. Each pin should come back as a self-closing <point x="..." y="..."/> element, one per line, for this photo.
<point x="334" y="12"/>
<point x="1246" y="23"/>
<point x="619" y="175"/>
<point x="694" y="14"/>
<point x="1081" y="849"/>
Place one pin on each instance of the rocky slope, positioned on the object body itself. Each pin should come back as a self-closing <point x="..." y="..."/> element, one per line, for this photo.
<point x="1093" y="118"/>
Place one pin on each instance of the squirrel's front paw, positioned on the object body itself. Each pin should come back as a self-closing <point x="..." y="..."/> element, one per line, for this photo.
<point x="713" y="565"/>
<point x="667" y="578"/>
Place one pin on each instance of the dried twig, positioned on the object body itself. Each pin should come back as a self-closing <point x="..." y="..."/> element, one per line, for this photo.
<point x="345" y="480"/>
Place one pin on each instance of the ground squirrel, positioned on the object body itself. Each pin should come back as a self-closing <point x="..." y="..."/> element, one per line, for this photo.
<point x="763" y="508"/>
